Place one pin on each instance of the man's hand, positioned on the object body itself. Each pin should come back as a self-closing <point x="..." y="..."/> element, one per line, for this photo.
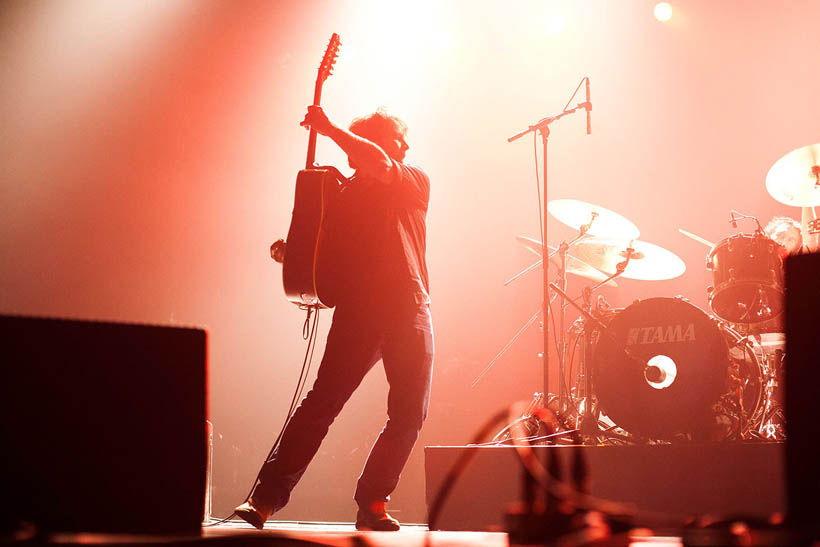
<point x="363" y="155"/>
<point x="277" y="250"/>
<point x="318" y="120"/>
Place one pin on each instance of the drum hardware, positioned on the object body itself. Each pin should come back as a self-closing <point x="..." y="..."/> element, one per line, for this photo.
<point x="533" y="318"/>
<point x="565" y="398"/>
<point x="697" y="238"/>
<point x="574" y="265"/>
<point x="588" y="219"/>
<point x="769" y="421"/>
<point x="531" y="423"/>
<point x="757" y="359"/>
<point x="735" y="216"/>
<point x="587" y="411"/>
<point x="569" y="264"/>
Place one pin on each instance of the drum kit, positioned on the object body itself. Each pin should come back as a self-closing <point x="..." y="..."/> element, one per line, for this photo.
<point x="663" y="370"/>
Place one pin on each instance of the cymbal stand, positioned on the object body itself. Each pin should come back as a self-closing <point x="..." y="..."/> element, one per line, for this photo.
<point x="563" y="248"/>
<point x="538" y="262"/>
<point x="589" y="418"/>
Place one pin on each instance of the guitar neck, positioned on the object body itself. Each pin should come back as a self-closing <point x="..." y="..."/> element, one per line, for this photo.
<point x="311" y="151"/>
<point x="325" y="70"/>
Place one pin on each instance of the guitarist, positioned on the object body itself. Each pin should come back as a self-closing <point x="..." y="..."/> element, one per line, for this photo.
<point x="382" y="312"/>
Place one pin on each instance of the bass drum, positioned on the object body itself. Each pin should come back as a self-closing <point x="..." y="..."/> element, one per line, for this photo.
<point x="665" y="370"/>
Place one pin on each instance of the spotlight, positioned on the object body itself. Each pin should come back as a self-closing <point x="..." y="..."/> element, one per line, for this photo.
<point x="663" y="11"/>
<point x="555" y="24"/>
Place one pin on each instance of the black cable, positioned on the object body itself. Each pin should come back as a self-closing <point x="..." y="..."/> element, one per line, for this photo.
<point x="306" y="324"/>
<point x="312" y="329"/>
<point x="556" y="487"/>
<point x="541" y="218"/>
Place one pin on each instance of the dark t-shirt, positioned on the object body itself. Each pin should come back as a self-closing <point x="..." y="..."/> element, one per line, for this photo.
<point x="383" y="233"/>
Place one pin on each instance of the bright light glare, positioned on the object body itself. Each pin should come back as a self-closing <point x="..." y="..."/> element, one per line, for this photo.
<point x="347" y="52"/>
<point x="663" y="11"/>
<point x="440" y="40"/>
<point x="668" y="371"/>
<point x="555" y="24"/>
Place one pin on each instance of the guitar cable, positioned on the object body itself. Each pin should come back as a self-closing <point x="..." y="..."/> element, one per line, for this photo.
<point x="309" y="333"/>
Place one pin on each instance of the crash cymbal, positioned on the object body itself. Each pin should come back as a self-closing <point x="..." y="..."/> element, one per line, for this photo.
<point x="794" y="179"/>
<point x="602" y="222"/>
<point x="574" y="265"/>
<point x="648" y="262"/>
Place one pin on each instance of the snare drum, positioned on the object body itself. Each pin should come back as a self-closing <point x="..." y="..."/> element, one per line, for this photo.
<point x="748" y="279"/>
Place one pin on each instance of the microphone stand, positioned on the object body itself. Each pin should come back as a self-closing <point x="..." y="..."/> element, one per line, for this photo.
<point x="542" y="127"/>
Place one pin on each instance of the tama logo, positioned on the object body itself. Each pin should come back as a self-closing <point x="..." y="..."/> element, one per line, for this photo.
<point x="659" y="335"/>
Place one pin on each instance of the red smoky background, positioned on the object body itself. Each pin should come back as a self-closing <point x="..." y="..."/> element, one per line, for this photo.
<point x="148" y="152"/>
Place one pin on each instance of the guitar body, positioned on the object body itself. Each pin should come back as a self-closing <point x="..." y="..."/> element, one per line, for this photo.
<point x="308" y="263"/>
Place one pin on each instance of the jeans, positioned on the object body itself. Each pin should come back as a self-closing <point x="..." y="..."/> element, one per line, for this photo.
<point x="403" y="338"/>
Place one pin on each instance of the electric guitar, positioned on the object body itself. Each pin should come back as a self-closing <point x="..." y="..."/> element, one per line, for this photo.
<point x="306" y="267"/>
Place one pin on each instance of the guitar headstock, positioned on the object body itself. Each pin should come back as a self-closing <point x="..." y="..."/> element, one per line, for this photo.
<point x="331" y="53"/>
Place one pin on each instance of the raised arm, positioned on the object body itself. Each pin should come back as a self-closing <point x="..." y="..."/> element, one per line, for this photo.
<point x="366" y="156"/>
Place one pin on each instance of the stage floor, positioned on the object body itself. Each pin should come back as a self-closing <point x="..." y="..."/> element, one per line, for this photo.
<point x="340" y="534"/>
<point x="343" y="534"/>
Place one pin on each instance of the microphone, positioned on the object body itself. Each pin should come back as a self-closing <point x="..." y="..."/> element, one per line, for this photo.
<point x="589" y="109"/>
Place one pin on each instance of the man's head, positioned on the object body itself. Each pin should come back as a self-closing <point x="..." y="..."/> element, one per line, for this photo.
<point x="786" y="232"/>
<point x="389" y="132"/>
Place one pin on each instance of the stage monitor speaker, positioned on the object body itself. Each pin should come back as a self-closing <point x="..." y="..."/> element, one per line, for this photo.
<point x="102" y="426"/>
<point x="803" y="390"/>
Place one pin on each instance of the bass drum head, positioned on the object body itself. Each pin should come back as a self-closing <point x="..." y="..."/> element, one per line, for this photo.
<point x="660" y="369"/>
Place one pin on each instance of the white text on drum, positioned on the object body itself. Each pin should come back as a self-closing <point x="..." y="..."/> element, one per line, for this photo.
<point x="661" y="334"/>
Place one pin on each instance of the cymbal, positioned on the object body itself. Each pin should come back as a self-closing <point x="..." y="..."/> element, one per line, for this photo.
<point x="603" y="222"/>
<point x="574" y="265"/>
<point x="648" y="262"/>
<point x="794" y="179"/>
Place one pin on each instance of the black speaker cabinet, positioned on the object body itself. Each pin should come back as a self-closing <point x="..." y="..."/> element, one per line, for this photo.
<point x="803" y="390"/>
<point x="102" y="426"/>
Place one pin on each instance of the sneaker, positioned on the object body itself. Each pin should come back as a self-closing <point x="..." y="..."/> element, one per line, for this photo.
<point x="375" y="518"/>
<point x="253" y="513"/>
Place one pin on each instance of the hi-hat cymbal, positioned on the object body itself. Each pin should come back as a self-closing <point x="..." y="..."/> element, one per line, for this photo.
<point x="602" y="222"/>
<point x="794" y="179"/>
<point x="574" y="265"/>
<point x="648" y="262"/>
